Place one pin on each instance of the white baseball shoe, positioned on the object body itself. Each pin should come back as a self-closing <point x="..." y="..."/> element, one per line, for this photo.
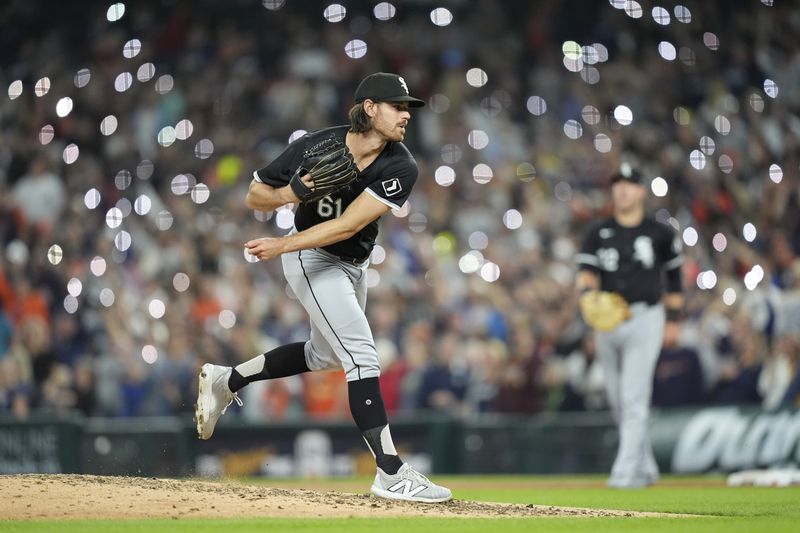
<point x="213" y="398"/>
<point x="408" y="484"/>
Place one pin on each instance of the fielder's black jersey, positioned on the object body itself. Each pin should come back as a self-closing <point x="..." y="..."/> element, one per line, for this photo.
<point x="632" y="261"/>
<point x="389" y="179"/>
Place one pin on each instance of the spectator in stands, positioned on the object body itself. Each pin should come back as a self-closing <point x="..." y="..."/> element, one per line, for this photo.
<point x="445" y="379"/>
<point x="678" y="379"/>
<point x="40" y="194"/>
<point x="583" y="387"/>
<point x="739" y="381"/>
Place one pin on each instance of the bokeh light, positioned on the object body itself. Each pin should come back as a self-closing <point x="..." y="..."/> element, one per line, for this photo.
<point x="536" y="105"/>
<point x="667" y="50"/>
<point x="682" y="14"/>
<point x="156" y="308"/>
<point x="771" y="88"/>
<point x="227" y="318"/>
<point x="384" y="11"/>
<point x="477" y="77"/>
<point x="355" y="49"/>
<point x="775" y="173"/>
<point x="149" y="354"/>
<point x="42" y="87"/>
<point x="74" y="287"/>
<point x="64" y="107"/>
<point x="729" y="296"/>
<point x="92" y="198"/>
<point x="142" y="204"/>
<point x="441" y="16"/>
<point x="659" y="186"/>
<point x="115" y="12"/>
<point x="490" y="272"/>
<point x="108" y="125"/>
<point x="164" y="84"/>
<point x="482" y="173"/>
<point x="98" y="266"/>
<point x="15" y="89"/>
<point x="720" y="242"/>
<point x="602" y="143"/>
<point x="749" y="232"/>
<point x="82" y="78"/>
<point x="55" y="254"/>
<point x="107" y="297"/>
<point x="623" y="114"/>
<point x="478" y="139"/>
<point x="378" y="255"/>
<point x="660" y="16"/>
<point x="46" y="134"/>
<point x="181" y="281"/>
<point x="690" y="236"/>
<point x="512" y="219"/>
<point x="335" y="13"/>
<point x="445" y="176"/>
<point x="70" y="153"/>
<point x="470" y="262"/>
<point x="145" y="72"/>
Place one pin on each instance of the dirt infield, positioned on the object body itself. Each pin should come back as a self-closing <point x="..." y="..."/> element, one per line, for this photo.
<point x="65" y="496"/>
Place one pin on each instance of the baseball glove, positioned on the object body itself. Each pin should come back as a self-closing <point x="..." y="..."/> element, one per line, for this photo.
<point x="603" y="310"/>
<point x="331" y="167"/>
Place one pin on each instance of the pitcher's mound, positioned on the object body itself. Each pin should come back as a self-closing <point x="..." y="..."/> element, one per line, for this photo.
<point x="67" y="496"/>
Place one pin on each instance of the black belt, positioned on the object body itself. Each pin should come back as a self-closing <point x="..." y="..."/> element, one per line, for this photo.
<point x="351" y="260"/>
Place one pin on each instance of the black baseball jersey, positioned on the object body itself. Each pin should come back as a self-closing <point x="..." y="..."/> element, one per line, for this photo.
<point x="632" y="261"/>
<point x="389" y="179"/>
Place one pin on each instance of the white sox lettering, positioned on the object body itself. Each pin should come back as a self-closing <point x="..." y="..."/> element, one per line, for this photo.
<point x="405" y="487"/>
<point x="643" y="251"/>
<point x="403" y="83"/>
<point x="391" y="187"/>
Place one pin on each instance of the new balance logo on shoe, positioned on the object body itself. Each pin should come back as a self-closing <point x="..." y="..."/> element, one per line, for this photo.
<point x="404" y="488"/>
<point x="408" y="484"/>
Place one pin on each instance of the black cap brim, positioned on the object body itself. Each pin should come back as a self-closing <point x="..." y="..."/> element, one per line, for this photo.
<point x="633" y="177"/>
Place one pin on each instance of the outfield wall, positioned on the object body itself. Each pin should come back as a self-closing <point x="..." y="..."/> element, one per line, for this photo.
<point x="721" y="439"/>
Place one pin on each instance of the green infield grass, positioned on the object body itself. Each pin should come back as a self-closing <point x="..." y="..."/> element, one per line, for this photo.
<point x="713" y="506"/>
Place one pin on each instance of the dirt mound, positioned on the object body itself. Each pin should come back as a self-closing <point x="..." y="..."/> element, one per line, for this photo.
<point x="66" y="496"/>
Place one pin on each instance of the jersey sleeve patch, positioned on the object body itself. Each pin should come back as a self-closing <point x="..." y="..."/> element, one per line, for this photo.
<point x="391" y="187"/>
<point x="396" y="180"/>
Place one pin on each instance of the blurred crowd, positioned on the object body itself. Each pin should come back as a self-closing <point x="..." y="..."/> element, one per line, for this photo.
<point x="471" y="301"/>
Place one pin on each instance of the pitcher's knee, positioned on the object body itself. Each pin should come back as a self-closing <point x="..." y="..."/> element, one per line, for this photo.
<point x="363" y="370"/>
<point x="317" y="359"/>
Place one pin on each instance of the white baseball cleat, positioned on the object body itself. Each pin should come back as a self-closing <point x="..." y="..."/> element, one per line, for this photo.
<point x="213" y="398"/>
<point x="408" y="484"/>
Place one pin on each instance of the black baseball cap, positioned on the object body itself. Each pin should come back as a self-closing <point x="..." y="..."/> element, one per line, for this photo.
<point x="627" y="173"/>
<point x="386" y="87"/>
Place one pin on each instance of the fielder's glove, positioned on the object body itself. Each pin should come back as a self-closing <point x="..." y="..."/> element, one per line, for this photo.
<point x="603" y="310"/>
<point x="331" y="167"/>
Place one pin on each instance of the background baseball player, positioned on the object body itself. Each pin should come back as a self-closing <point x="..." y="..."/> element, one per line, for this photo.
<point x="344" y="179"/>
<point x="625" y="265"/>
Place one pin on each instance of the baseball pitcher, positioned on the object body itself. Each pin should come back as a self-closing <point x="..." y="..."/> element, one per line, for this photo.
<point x="629" y="280"/>
<point x="343" y="178"/>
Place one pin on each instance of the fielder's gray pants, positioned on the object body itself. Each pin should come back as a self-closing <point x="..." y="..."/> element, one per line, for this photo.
<point x="334" y="293"/>
<point x="628" y="355"/>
